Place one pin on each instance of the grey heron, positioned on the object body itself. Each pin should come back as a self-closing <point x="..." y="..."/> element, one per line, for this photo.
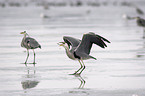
<point x="29" y="43"/>
<point x="80" y="49"/>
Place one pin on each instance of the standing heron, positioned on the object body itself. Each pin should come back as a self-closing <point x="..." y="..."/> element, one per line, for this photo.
<point x="80" y="49"/>
<point x="29" y="43"/>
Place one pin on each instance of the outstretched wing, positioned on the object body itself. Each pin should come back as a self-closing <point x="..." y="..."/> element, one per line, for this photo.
<point x="32" y="43"/>
<point x="71" y="41"/>
<point x="87" y="41"/>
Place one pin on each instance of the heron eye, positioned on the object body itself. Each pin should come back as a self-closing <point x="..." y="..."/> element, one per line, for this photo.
<point x="28" y="41"/>
<point x="70" y="47"/>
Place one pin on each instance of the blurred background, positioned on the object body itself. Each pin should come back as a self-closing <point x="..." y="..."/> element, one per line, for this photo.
<point x="118" y="71"/>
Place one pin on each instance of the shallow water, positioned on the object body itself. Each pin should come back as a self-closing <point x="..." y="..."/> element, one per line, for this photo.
<point x="118" y="71"/>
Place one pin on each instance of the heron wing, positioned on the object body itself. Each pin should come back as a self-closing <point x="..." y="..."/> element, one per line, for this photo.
<point x="87" y="41"/>
<point x="71" y="41"/>
<point x="32" y="43"/>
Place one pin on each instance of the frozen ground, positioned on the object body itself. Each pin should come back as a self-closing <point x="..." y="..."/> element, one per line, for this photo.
<point x="118" y="71"/>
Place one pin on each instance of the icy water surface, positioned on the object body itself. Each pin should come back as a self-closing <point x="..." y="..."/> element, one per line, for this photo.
<point x="118" y="71"/>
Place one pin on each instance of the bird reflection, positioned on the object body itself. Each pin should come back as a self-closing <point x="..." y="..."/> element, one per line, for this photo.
<point x="81" y="86"/>
<point x="29" y="80"/>
<point x="81" y="80"/>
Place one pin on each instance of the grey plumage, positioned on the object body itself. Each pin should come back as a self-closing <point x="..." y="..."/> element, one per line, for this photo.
<point x="73" y="42"/>
<point x="81" y="48"/>
<point x="29" y="43"/>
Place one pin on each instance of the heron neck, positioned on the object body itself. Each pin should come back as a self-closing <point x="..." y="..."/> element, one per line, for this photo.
<point x="66" y="48"/>
<point x="24" y="36"/>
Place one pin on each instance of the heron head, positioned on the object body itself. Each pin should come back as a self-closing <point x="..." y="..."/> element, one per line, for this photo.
<point x="23" y="32"/>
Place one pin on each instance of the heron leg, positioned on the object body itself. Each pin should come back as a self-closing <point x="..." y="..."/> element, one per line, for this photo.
<point x="82" y="82"/>
<point x="83" y="67"/>
<point x="34" y="57"/>
<point x="78" y="69"/>
<point x="27" y="57"/>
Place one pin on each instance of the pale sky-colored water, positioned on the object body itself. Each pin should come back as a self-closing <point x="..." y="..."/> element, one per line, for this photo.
<point x="118" y="69"/>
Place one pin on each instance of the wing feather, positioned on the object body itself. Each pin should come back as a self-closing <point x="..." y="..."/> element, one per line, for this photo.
<point x="71" y="41"/>
<point x="32" y="43"/>
<point x="87" y="41"/>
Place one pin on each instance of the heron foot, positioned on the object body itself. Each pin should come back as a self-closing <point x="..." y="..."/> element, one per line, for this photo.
<point x="72" y="74"/>
<point x="76" y="74"/>
<point x="24" y="63"/>
<point x="33" y="63"/>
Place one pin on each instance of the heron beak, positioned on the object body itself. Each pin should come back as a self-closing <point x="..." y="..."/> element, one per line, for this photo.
<point x="61" y="43"/>
<point x="22" y="33"/>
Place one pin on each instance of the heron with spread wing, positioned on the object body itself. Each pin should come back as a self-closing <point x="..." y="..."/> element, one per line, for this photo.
<point x="80" y="49"/>
<point x="29" y="43"/>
